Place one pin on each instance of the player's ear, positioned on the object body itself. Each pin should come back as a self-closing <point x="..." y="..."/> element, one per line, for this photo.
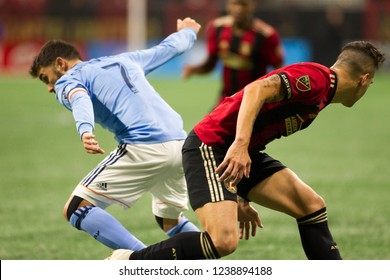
<point x="60" y="64"/>
<point x="364" y="78"/>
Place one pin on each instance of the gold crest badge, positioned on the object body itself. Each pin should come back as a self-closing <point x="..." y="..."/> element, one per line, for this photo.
<point x="230" y="187"/>
<point x="303" y="83"/>
<point x="224" y="45"/>
<point x="245" y="49"/>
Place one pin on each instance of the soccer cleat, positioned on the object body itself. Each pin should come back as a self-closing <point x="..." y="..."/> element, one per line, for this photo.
<point x="120" y="254"/>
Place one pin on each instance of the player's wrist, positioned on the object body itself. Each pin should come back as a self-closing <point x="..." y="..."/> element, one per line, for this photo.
<point x="242" y="200"/>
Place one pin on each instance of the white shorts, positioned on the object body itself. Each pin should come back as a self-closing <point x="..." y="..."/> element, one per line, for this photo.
<point x="132" y="170"/>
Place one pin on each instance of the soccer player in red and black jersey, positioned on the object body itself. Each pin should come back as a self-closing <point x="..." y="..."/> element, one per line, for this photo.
<point x="226" y="167"/>
<point x="246" y="45"/>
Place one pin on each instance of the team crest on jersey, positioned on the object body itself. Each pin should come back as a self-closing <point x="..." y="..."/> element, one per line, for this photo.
<point x="245" y="49"/>
<point x="230" y="187"/>
<point x="303" y="83"/>
<point x="224" y="45"/>
<point x="65" y="93"/>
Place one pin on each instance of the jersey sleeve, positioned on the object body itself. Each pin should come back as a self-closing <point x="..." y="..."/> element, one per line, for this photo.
<point x="303" y="84"/>
<point x="75" y="97"/>
<point x="172" y="46"/>
<point x="82" y="111"/>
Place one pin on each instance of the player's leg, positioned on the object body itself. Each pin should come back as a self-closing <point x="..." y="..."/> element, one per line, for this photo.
<point x="284" y="191"/>
<point x="215" y="206"/>
<point x="182" y="246"/>
<point x="101" y="225"/>
<point x="219" y="220"/>
<point x="175" y="226"/>
<point x="220" y="238"/>
<point x="114" y="180"/>
<point x="169" y="194"/>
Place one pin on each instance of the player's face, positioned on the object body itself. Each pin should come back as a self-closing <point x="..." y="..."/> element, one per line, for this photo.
<point x="49" y="75"/>
<point x="240" y="10"/>
<point x="361" y="89"/>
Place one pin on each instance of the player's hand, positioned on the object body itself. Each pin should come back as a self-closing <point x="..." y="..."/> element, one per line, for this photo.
<point x="188" y="71"/>
<point x="235" y="165"/>
<point x="90" y="144"/>
<point x="188" y="22"/>
<point x="248" y="218"/>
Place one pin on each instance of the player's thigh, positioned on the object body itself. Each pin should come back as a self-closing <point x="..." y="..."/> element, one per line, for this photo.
<point x="169" y="191"/>
<point x="169" y="195"/>
<point x="214" y="203"/>
<point x="284" y="191"/>
<point x="121" y="178"/>
<point x="200" y="162"/>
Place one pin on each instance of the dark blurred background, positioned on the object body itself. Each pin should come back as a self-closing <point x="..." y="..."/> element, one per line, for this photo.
<point x="312" y="30"/>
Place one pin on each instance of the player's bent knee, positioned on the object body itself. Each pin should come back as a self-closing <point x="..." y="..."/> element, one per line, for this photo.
<point x="166" y="224"/>
<point x="316" y="203"/>
<point x="226" y="245"/>
<point x="73" y="204"/>
<point x="160" y="221"/>
<point x="311" y="205"/>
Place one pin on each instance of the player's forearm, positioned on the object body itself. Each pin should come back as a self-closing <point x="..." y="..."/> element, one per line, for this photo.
<point x="82" y="110"/>
<point x="180" y="41"/>
<point x="206" y="67"/>
<point x="172" y="46"/>
<point x="256" y="94"/>
<point x="251" y="105"/>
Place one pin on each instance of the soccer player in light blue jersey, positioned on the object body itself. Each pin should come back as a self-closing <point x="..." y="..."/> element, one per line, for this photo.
<point x="114" y="92"/>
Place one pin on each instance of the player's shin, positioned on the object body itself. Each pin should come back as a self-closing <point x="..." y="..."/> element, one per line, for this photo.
<point x="184" y="225"/>
<point x="317" y="241"/>
<point x="182" y="246"/>
<point x="104" y="228"/>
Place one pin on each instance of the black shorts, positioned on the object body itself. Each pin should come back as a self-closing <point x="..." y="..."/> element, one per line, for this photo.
<point x="200" y="162"/>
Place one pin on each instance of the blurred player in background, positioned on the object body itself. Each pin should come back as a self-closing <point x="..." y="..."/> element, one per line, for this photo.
<point x="226" y="167"/>
<point x="114" y="92"/>
<point x="247" y="47"/>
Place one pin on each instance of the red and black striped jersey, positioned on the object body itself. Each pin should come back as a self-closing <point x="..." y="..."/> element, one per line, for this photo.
<point x="310" y="87"/>
<point x="244" y="57"/>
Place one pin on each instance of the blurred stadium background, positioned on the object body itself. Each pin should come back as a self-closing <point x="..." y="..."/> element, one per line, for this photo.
<point x="311" y="29"/>
<point x="344" y="155"/>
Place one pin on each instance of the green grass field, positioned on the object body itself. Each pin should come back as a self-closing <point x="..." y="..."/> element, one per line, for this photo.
<point x="344" y="155"/>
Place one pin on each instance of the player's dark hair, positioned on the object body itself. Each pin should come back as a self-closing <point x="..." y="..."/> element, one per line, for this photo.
<point x="369" y="49"/>
<point x="360" y="57"/>
<point x="49" y="52"/>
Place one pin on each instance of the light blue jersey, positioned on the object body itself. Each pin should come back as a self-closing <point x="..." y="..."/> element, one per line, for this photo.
<point x="114" y="92"/>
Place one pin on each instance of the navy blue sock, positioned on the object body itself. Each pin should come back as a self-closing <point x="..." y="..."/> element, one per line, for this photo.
<point x="317" y="241"/>
<point x="182" y="246"/>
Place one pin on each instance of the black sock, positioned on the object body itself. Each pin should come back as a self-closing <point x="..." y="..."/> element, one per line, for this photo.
<point x="317" y="241"/>
<point x="182" y="246"/>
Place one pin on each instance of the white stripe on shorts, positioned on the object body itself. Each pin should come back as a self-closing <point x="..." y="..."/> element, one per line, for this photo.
<point x="215" y="186"/>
